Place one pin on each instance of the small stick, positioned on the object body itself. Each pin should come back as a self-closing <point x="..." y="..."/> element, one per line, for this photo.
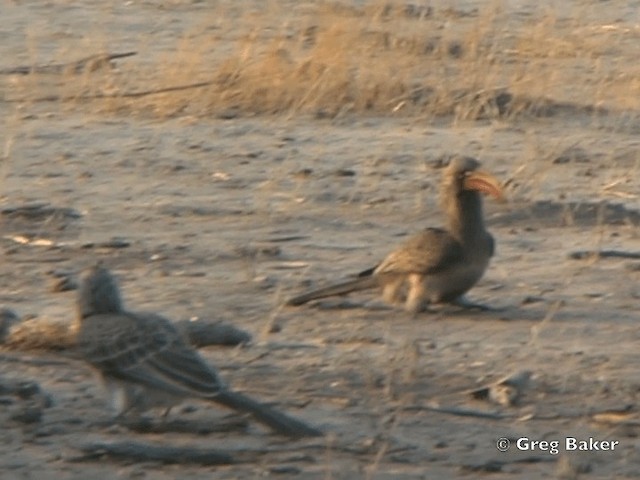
<point x="93" y="62"/>
<point x="462" y="412"/>
<point x="98" y="96"/>
<point x="582" y="254"/>
<point x="145" y="452"/>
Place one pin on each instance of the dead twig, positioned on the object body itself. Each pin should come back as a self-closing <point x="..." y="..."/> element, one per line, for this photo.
<point x="90" y="63"/>
<point x="459" y="411"/>
<point x="145" y="452"/>
<point x="206" y="332"/>
<point x="584" y="254"/>
<point x="145" y="425"/>
<point x="98" y="96"/>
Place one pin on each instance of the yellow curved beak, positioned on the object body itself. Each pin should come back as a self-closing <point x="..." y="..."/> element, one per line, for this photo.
<point x="483" y="182"/>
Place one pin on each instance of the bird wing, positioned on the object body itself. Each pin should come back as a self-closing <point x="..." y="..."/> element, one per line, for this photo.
<point x="427" y="252"/>
<point x="148" y="349"/>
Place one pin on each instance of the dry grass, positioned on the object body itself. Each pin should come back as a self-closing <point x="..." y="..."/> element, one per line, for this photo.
<point x="42" y="334"/>
<point x="327" y="59"/>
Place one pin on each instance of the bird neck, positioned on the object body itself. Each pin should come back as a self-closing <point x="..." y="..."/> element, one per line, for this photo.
<point x="465" y="220"/>
<point x="102" y="298"/>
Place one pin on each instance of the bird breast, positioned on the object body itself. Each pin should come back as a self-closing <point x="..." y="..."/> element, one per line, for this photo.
<point x="446" y="286"/>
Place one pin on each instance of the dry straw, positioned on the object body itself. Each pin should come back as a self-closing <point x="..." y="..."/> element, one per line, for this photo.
<point x="327" y="59"/>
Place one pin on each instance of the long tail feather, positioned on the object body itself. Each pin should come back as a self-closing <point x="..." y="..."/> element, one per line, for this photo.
<point x="278" y="421"/>
<point x="361" y="283"/>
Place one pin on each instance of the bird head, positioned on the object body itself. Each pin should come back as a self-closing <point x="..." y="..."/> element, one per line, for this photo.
<point x="98" y="293"/>
<point x="463" y="174"/>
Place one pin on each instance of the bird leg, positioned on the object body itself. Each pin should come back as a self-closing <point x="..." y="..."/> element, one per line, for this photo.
<point x="416" y="295"/>
<point x="391" y="289"/>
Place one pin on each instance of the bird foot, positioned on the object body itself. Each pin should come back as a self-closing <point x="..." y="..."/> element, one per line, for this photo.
<point x="466" y="304"/>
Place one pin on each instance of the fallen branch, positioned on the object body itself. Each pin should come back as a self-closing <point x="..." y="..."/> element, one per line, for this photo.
<point x="98" y="96"/>
<point x="583" y="254"/>
<point x="205" y="332"/>
<point x="90" y="63"/>
<point x="145" y="452"/>
<point x="461" y="412"/>
<point x="146" y="425"/>
<point x="136" y="451"/>
<point x="493" y="466"/>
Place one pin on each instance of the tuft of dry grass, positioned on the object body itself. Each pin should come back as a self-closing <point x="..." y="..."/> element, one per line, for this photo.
<point x="328" y="59"/>
<point x="42" y="334"/>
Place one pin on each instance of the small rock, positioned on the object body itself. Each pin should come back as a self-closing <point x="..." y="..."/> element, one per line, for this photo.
<point x="303" y="173"/>
<point x="529" y="299"/>
<point x="26" y="390"/>
<point x="505" y="392"/>
<point x="28" y="414"/>
<point x="201" y="333"/>
<point x="285" y="470"/>
<point x="115" y="242"/>
<point x="8" y="318"/>
<point x="64" y="284"/>
<point x="345" y="172"/>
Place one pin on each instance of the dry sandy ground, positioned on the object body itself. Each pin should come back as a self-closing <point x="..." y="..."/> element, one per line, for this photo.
<point x="224" y="218"/>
